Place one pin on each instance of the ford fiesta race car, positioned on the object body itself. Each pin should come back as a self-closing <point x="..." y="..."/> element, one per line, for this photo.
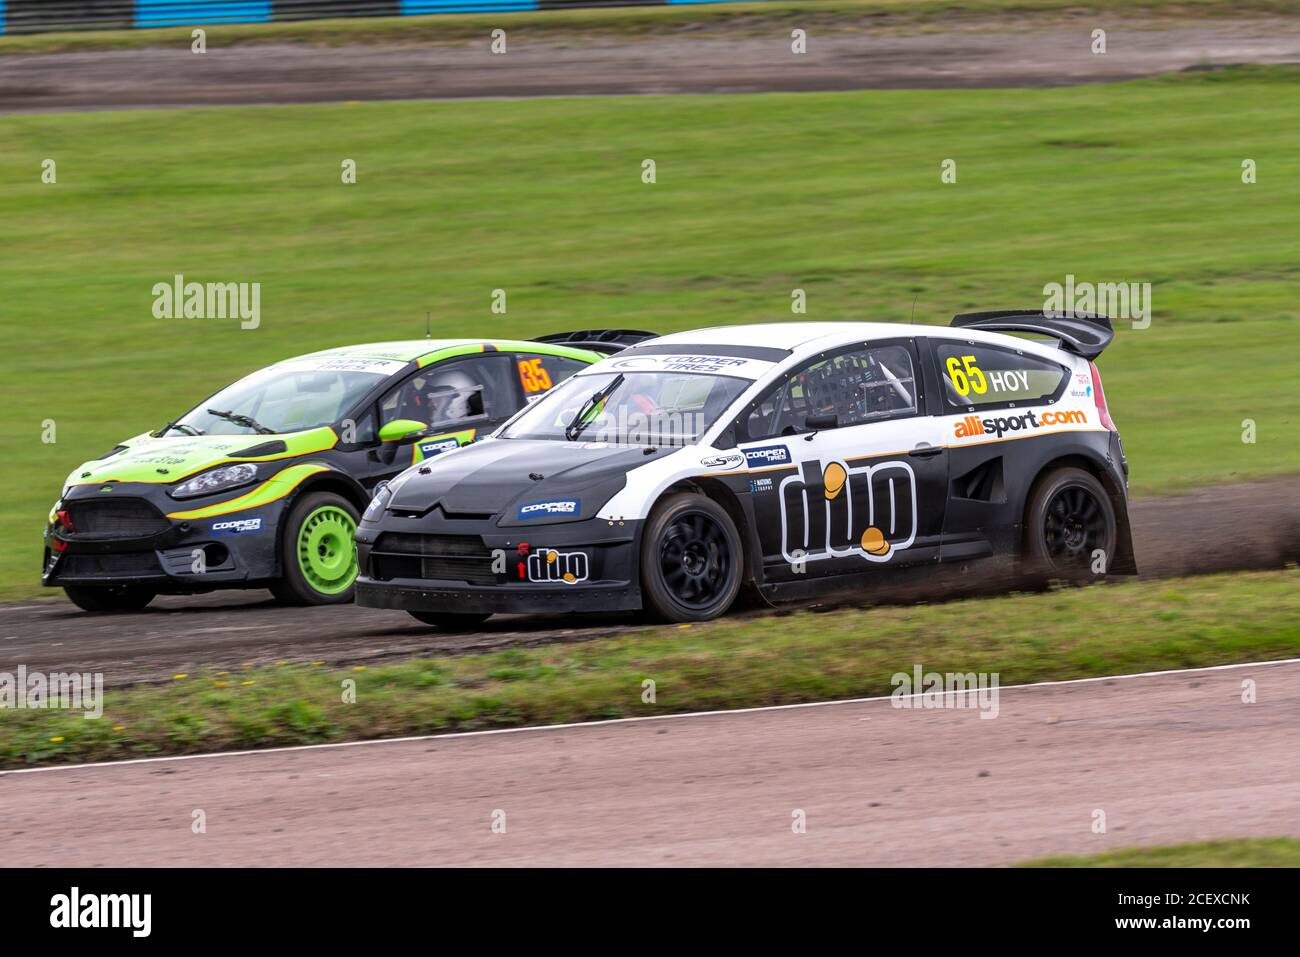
<point x="261" y="484"/>
<point x="788" y="459"/>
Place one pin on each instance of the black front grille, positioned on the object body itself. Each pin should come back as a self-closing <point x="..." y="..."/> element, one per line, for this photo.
<point x="443" y="557"/>
<point x="126" y="564"/>
<point x="117" y="518"/>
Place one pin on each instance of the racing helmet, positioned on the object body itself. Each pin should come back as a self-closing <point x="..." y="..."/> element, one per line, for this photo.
<point x="451" y="395"/>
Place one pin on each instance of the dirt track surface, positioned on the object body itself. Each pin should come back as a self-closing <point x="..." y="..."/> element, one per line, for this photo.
<point x="1026" y="51"/>
<point x="1169" y="758"/>
<point x="1230" y="527"/>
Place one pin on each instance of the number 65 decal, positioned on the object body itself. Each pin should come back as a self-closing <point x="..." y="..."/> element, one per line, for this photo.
<point x="966" y="376"/>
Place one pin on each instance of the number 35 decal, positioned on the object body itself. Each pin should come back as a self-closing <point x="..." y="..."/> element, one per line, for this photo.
<point x="966" y="376"/>
<point x="534" y="376"/>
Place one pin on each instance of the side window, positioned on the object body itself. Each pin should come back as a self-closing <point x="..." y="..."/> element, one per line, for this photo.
<point x="989" y="375"/>
<point x="462" y="392"/>
<point x="362" y="428"/>
<point x="539" y="374"/>
<point x="857" y="387"/>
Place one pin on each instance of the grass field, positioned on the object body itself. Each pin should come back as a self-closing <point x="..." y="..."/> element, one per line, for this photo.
<point x="837" y="194"/>
<point x="721" y="665"/>
<point x="1257" y="852"/>
<point x="585" y="23"/>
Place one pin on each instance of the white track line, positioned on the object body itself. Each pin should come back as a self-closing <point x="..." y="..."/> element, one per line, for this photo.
<point x="610" y="721"/>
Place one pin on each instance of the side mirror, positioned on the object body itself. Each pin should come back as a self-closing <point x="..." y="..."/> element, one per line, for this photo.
<point x="402" y="431"/>
<point x="814" y="423"/>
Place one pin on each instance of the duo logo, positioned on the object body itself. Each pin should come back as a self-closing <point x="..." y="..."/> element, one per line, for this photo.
<point x="868" y="511"/>
<point x="766" y="455"/>
<point x="548" y="565"/>
<point x="566" y="506"/>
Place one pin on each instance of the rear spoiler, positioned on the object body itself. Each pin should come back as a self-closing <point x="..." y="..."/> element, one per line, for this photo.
<point x="607" y="341"/>
<point x="1083" y="333"/>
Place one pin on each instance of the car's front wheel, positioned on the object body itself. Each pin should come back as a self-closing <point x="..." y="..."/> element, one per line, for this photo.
<point x="1070" y="527"/>
<point x="110" y="598"/>
<point x="691" y="559"/>
<point x="317" y="552"/>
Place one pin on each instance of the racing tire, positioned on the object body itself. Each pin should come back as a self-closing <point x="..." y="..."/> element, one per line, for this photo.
<point x="692" y="559"/>
<point x="318" y="551"/>
<point x="113" y="598"/>
<point x="450" y="620"/>
<point x="1068" y="519"/>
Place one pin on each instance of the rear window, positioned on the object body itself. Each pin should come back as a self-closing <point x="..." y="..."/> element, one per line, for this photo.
<point x="538" y="374"/>
<point x="975" y="375"/>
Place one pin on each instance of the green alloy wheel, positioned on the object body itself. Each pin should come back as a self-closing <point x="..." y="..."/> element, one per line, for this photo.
<point x="318" y="551"/>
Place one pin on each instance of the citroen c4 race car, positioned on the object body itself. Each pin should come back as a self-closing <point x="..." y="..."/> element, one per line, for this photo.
<point x="787" y="459"/>
<point x="261" y="484"/>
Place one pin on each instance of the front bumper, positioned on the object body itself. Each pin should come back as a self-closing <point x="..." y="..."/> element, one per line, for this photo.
<point x="432" y="563"/>
<point x="125" y="537"/>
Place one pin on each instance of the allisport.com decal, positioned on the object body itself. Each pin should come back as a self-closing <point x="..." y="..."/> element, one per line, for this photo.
<point x="973" y="425"/>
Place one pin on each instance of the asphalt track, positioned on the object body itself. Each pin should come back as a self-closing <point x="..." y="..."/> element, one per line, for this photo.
<point x="1167" y="758"/>
<point x="1252" y="525"/>
<point x="993" y="51"/>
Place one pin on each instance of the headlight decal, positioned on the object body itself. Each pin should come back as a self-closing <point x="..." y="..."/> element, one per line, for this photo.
<point x="269" y="491"/>
<point x="216" y="480"/>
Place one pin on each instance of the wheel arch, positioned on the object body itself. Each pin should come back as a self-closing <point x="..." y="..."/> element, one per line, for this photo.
<point x="1125" y="562"/>
<point x="331" y="480"/>
<point x="718" y="493"/>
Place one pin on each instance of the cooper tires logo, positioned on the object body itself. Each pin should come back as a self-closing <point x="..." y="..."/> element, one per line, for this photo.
<point x="548" y="565"/>
<point x="868" y="511"/>
<point x="568" y="506"/>
<point x="237" y="526"/>
<point x="766" y="455"/>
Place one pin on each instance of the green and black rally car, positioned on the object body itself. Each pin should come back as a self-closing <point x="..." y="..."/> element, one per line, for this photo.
<point x="261" y="485"/>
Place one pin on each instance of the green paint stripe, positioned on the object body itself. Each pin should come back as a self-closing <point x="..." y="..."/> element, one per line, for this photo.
<point x="269" y="491"/>
<point x="510" y="345"/>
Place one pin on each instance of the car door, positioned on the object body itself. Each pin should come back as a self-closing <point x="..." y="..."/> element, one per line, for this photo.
<point x="991" y="396"/>
<point x="846" y="469"/>
<point x="458" y="400"/>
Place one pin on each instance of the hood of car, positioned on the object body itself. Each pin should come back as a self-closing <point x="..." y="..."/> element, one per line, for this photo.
<point x="520" y="481"/>
<point x="176" y="457"/>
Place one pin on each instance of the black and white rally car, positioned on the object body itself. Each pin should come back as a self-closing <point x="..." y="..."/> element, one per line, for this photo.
<point x="787" y="458"/>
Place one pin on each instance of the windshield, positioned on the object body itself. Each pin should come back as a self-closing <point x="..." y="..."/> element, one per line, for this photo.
<point x="633" y="408"/>
<point x="288" y="397"/>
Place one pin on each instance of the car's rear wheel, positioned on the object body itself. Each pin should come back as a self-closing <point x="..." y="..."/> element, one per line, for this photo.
<point x="691" y="559"/>
<point x="111" y="598"/>
<point x="1070" y="525"/>
<point x="450" y="620"/>
<point x="318" y="554"/>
